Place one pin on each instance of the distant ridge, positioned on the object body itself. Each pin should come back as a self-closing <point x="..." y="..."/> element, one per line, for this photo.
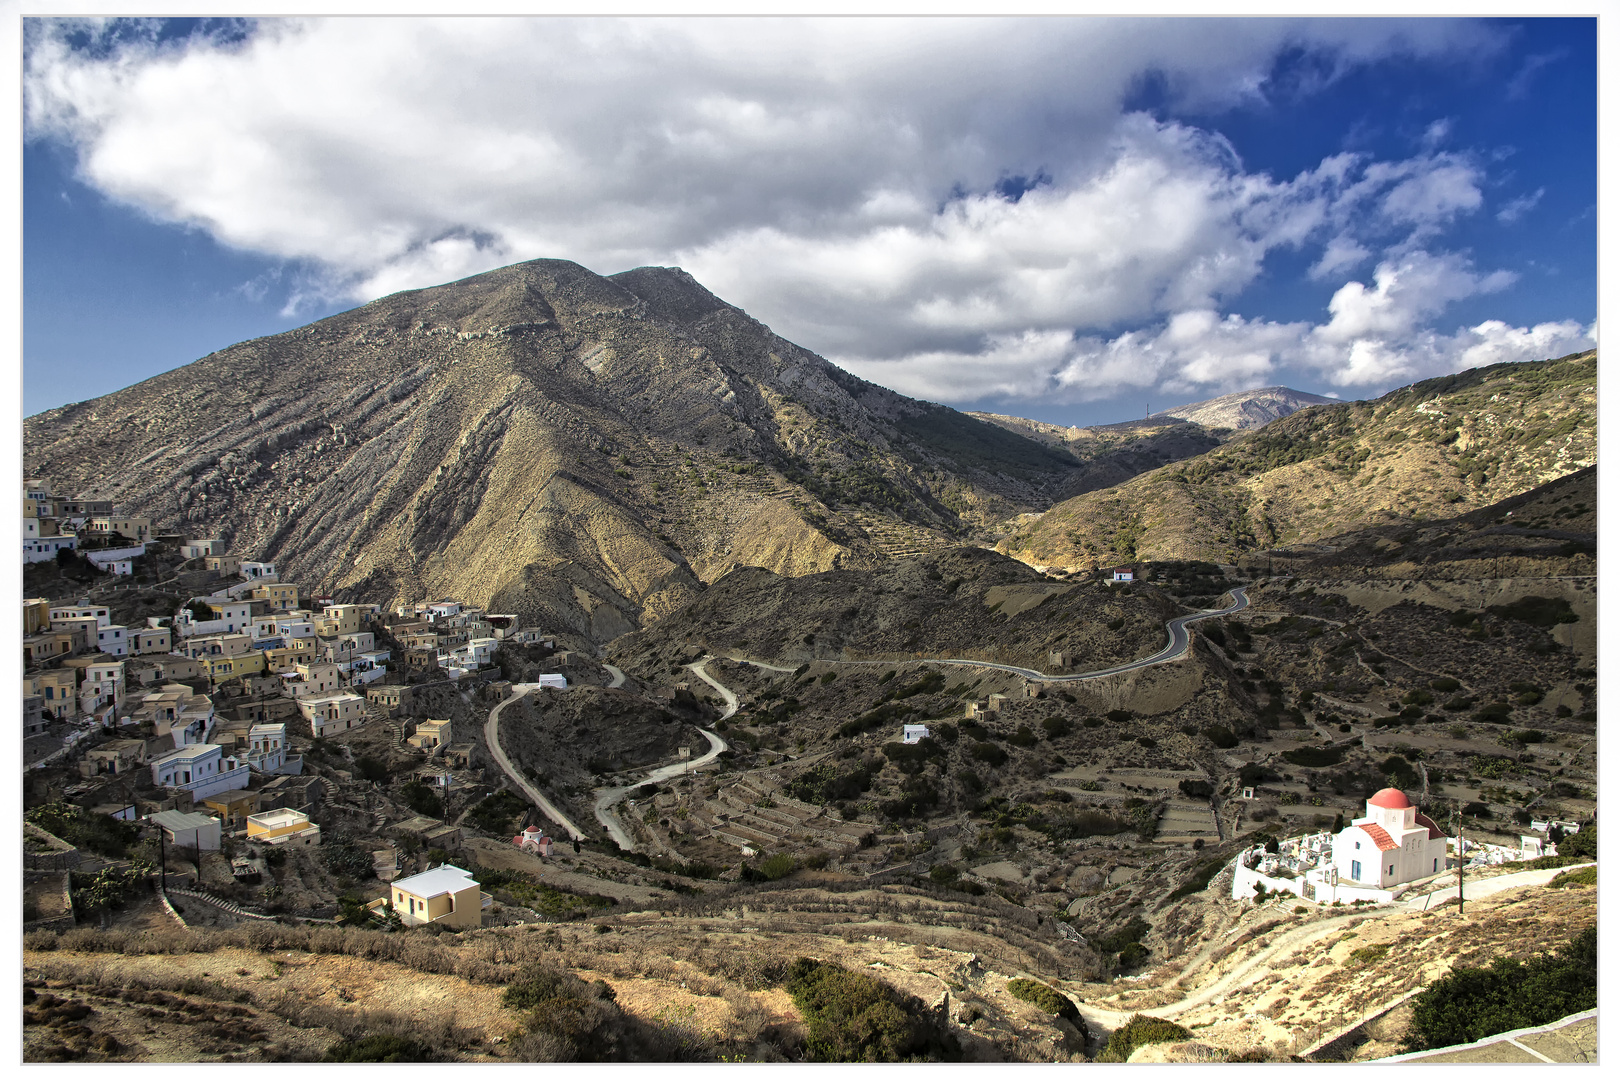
<point x="1246" y="409"/>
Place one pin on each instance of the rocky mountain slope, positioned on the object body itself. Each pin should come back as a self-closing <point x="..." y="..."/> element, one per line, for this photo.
<point x="1429" y="450"/>
<point x="1246" y="409"/>
<point x="967" y="603"/>
<point x="1111" y="454"/>
<point x="582" y="450"/>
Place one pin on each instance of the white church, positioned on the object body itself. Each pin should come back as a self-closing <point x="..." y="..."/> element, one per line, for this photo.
<point x="1394" y="843"/>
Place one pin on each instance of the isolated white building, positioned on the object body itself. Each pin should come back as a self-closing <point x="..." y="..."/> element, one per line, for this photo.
<point x="1391" y="844"/>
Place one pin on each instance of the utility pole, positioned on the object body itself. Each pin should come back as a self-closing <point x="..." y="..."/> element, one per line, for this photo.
<point x="1461" y="859"/>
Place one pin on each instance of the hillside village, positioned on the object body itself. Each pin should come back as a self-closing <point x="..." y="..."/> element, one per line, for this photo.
<point x="199" y="724"/>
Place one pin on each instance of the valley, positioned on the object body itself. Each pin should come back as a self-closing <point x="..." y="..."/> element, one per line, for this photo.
<point x="732" y="682"/>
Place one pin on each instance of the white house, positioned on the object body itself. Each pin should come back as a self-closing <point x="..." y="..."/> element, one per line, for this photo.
<point x="44" y="548"/>
<point x="202" y="769"/>
<point x="257" y="571"/>
<point x="311" y="680"/>
<point x="1123" y="574"/>
<point x="102" y="615"/>
<point x="267" y="747"/>
<point x="230" y="616"/>
<point x="329" y="714"/>
<point x="1393" y="843"/>
<point x="200" y="831"/>
<point x="113" y="640"/>
<point x="913" y="733"/>
<point x="103" y="685"/>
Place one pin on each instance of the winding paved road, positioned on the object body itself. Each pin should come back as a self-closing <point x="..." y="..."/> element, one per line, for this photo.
<point x="618" y="677"/>
<point x="1174" y="649"/>
<point x="492" y="736"/>
<point x="608" y="798"/>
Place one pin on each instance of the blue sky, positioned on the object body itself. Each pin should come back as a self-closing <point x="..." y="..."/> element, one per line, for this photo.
<point x="1060" y="219"/>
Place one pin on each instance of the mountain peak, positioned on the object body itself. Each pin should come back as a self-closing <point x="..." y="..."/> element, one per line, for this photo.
<point x="1246" y="409"/>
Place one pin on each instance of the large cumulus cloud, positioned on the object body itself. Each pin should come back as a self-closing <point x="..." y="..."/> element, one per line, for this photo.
<point x="957" y="208"/>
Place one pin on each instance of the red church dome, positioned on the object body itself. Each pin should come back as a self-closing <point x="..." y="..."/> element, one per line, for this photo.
<point x="1390" y="799"/>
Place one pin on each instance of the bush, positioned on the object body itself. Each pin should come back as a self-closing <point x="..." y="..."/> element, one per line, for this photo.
<point x="379" y="1048"/>
<point x="850" y="1016"/>
<point x="1471" y="1003"/>
<point x="369" y="768"/>
<point x="1543" y="611"/>
<point x="1138" y="1032"/>
<point x="1445" y="685"/>
<point x="498" y="813"/>
<point x="421" y="797"/>
<point x="1119" y="716"/>
<point x="1196" y="789"/>
<point x="989" y="753"/>
<point x="1314" y="757"/>
<point x="1221" y="736"/>
<point x="1583" y="845"/>
<point x="1043" y="997"/>
<point x="1570" y="878"/>
<point x="1417" y="697"/>
<point x="777" y="866"/>
<point x="84" y="829"/>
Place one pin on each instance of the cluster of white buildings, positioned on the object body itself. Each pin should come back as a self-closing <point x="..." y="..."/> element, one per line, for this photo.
<point x="1376" y="857"/>
<point x="52" y="523"/>
<point x="1390" y="846"/>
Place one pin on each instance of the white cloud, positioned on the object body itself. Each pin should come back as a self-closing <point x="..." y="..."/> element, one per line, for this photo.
<point x="835" y="177"/>
<point x="1517" y="208"/>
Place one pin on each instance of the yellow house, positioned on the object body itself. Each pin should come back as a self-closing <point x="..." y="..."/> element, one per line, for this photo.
<point x="36" y="616"/>
<point x="430" y="734"/>
<point x="225" y="564"/>
<point x="335" y="619"/>
<point x="446" y="894"/>
<point x="285" y="826"/>
<point x="234" y="807"/>
<point x="286" y="661"/>
<point x="224" y="668"/>
<point x="281" y="597"/>
<point x="58" y="689"/>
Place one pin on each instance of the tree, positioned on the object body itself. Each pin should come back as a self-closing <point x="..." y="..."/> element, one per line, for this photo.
<point x="1582" y="845"/>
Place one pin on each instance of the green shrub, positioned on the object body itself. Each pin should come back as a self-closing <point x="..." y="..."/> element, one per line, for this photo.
<point x="1417" y="697"/>
<point x="379" y="1048"/>
<point x="1583" y="845"/>
<point x="1543" y="611"/>
<point x="1445" y="685"/>
<point x="1473" y="1003"/>
<point x="1314" y="757"/>
<point x="98" y="833"/>
<point x="851" y="1016"/>
<point x="1221" y="736"/>
<point x="497" y="813"/>
<point x="1043" y="997"/>
<point x="989" y="753"/>
<point x="1569" y="878"/>
<point x="1196" y="789"/>
<point x="1371" y="954"/>
<point x="1119" y="716"/>
<point x="778" y="866"/>
<point x="1138" y="1032"/>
